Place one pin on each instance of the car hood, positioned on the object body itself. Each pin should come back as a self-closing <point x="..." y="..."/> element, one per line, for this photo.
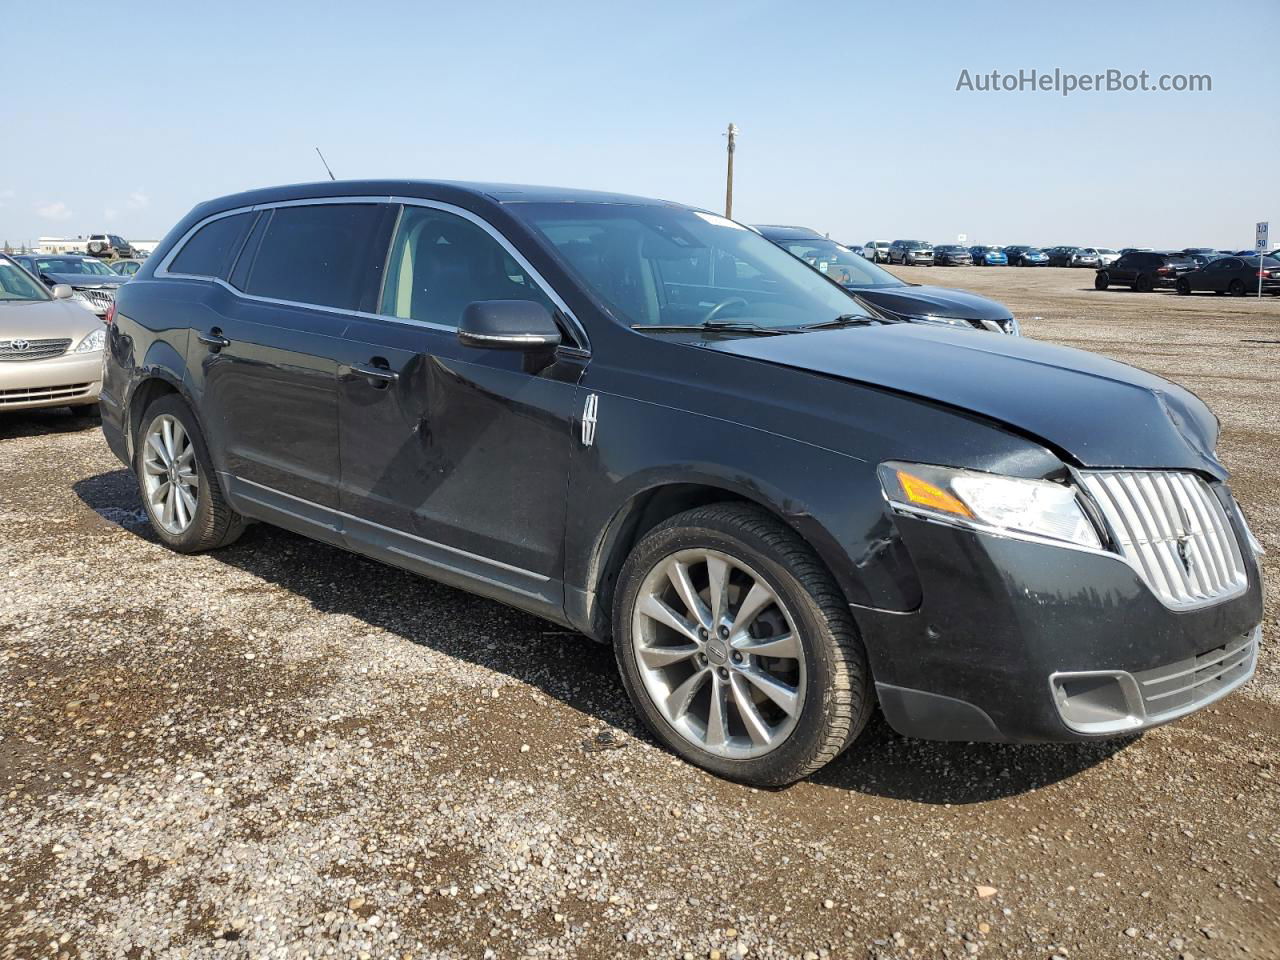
<point x="46" y="319"/>
<point x="1094" y="411"/>
<point x="85" y="279"/>
<point x="916" y="300"/>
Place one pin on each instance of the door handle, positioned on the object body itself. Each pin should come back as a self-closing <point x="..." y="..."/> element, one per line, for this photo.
<point x="374" y="371"/>
<point x="214" y="339"/>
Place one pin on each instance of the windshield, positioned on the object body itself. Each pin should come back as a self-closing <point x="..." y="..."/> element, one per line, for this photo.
<point x="840" y="263"/>
<point x="670" y="265"/>
<point x="17" y="284"/>
<point x="94" y="268"/>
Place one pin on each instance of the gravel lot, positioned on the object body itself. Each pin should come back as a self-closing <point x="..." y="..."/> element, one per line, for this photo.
<point x="281" y="750"/>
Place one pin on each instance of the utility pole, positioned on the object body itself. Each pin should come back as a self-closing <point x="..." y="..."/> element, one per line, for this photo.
<point x="728" y="187"/>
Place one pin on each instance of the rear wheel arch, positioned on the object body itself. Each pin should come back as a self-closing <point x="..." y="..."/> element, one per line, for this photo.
<point x="147" y="392"/>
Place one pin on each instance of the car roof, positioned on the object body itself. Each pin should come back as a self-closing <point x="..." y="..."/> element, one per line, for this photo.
<point x="773" y="231"/>
<point x="456" y="191"/>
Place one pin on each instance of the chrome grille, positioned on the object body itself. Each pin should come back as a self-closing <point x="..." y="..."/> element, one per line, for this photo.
<point x="1173" y="529"/>
<point x="37" y="394"/>
<point x="1174" y="687"/>
<point x="34" y="349"/>
<point x="99" y="297"/>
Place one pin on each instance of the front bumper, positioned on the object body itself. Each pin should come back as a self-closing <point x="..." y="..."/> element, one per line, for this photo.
<point x="72" y="379"/>
<point x="1023" y="642"/>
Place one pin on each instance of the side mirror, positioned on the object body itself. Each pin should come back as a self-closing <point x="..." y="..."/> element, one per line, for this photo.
<point x="508" y="325"/>
<point x="62" y="291"/>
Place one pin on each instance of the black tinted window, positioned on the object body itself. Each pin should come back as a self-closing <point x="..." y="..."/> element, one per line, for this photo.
<point x="209" y="252"/>
<point x="440" y="262"/>
<point x="327" y="254"/>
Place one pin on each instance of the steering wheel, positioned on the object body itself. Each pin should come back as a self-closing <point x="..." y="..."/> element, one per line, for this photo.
<point x="722" y="306"/>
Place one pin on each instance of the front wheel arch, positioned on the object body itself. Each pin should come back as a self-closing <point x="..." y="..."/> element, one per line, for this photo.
<point x="655" y="504"/>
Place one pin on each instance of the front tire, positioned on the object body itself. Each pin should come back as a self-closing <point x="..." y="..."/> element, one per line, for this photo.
<point x="737" y="648"/>
<point x="1236" y="287"/>
<point x="1101" y="281"/>
<point x="179" y="488"/>
<point x="1183" y="286"/>
<point x="1143" y="284"/>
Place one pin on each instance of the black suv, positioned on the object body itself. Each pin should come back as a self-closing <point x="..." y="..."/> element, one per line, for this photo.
<point x="650" y="424"/>
<point x="1144" y="271"/>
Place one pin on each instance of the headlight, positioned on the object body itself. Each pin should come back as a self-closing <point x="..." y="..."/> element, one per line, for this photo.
<point x="1013" y="327"/>
<point x="946" y="321"/>
<point x="94" y="341"/>
<point x="1012" y="506"/>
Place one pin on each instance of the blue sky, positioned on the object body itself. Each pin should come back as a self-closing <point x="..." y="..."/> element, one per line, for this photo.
<point x="850" y="119"/>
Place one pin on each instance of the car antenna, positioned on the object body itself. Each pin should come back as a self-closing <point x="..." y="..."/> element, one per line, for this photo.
<point x="326" y="164"/>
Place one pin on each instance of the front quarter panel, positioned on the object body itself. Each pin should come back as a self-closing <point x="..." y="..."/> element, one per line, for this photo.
<point x="804" y="447"/>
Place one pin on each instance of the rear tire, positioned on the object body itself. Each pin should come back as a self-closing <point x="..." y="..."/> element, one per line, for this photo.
<point x="701" y="678"/>
<point x="179" y="488"/>
<point x="1183" y="286"/>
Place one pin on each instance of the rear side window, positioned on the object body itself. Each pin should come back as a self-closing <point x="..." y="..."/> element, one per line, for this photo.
<point x="209" y="252"/>
<point x="330" y="255"/>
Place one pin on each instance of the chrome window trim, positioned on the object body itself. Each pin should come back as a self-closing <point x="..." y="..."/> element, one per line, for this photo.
<point x="162" y="271"/>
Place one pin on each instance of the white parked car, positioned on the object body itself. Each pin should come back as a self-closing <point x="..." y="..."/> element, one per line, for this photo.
<point x="877" y="251"/>
<point x="1106" y="256"/>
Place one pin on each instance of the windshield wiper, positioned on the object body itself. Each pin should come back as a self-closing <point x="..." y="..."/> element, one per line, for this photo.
<point x="845" y="320"/>
<point x="715" y="326"/>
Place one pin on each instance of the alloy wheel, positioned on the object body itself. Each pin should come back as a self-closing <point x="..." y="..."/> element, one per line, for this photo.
<point x="719" y="653"/>
<point x="170" y="478"/>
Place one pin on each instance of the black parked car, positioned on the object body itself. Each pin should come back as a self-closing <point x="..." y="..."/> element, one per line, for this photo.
<point x="92" y="282"/>
<point x="903" y="301"/>
<point x="952" y="255"/>
<point x="1234" y="275"/>
<point x="915" y="253"/>
<point x="649" y="424"/>
<point x="1144" y="271"/>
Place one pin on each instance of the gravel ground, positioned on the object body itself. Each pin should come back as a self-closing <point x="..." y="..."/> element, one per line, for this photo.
<point x="281" y="750"/>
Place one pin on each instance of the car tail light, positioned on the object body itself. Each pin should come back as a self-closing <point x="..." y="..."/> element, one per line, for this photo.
<point x="110" y="318"/>
<point x="1164" y="269"/>
<point x="1264" y="273"/>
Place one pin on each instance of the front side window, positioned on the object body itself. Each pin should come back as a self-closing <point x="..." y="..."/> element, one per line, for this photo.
<point x="672" y="265"/>
<point x="17" y="284"/>
<point x="440" y="262"/>
<point x="209" y="251"/>
<point x="329" y="255"/>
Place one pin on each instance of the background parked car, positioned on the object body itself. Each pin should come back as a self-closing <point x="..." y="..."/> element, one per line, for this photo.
<point x="985" y="256"/>
<point x="877" y="251"/>
<point x="126" y="268"/>
<point x="914" y="302"/>
<point x="1019" y="255"/>
<point x="1073" y="257"/>
<point x="92" y="282"/>
<point x="911" y="253"/>
<point x="1237" y="276"/>
<point x="1144" y="271"/>
<point x="50" y="349"/>
<point x="108" y="245"/>
<point x="1106" y="256"/>
<point x="952" y="255"/>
